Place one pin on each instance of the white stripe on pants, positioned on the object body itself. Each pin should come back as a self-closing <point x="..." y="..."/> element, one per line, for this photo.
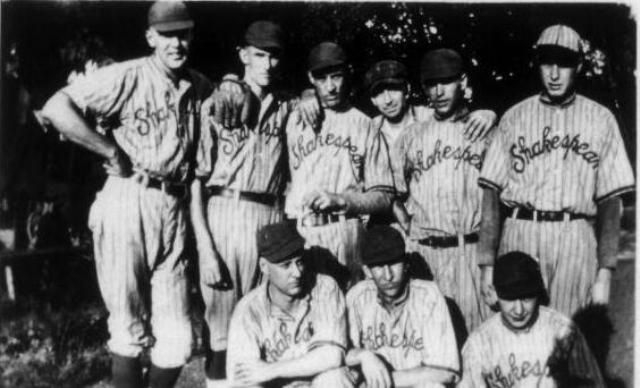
<point x="233" y="224"/>
<point x="457" y="274"/>
<point x="567" y="254"/>
<point x="139" y="236"/>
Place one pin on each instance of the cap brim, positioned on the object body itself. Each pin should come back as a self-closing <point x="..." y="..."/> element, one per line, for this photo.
<point x="286" y="252"/>
<point x="387" y="81"/>
<point x="173" y="26"/>
<point x="514" y="292"/>
<point x="326" y="65"/>
<point x="382" y="260"/>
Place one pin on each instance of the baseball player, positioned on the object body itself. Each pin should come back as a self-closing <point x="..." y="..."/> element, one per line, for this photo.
<point x="340" y="171"/>
<point x="148" y="108"/>
<point x="526" y="344"/>
<point x="245" y="189"/>
<point x="438" y="167"/>
<point x="291" y="330"/>
<point x="399" y="327"/>
<point x="558" y="161"/>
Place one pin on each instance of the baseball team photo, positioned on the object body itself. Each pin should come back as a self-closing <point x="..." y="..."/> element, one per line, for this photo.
<point x="317" y="194"/>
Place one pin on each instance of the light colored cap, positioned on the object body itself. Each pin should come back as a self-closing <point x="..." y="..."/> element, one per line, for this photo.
<point x="560" y="35"/>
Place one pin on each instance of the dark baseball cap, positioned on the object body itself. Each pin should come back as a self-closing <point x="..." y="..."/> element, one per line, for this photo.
<point x="279" y="242"/>
<point x="167" y="16"/>
<point x="516" y="275"/>
<point x="387" y="72"/>
<point x="382" y="244"/>
<point x="440" y="64"/>
<point x="326" y="55"/>
<point x="265" y="35"/>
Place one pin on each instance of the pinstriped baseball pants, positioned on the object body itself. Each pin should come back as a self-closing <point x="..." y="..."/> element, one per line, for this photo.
<point x="567" y="254"/>
<point x="233" y="224"/>
<point x="139" y="236"/>
<point x="457" y="274"/>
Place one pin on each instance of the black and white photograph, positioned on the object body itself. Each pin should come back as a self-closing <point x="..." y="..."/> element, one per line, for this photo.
<point x="340" y="194"/>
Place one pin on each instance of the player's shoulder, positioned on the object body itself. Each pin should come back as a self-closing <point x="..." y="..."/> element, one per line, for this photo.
<point x="324" y="286"/>
<point x="487" y="329"/>
<point x="252" y="303"/>
<point x="586" y="104"/>
<point x="355" y="115"/>
<point x="363" y="291"/>
<point x="526" y="105"/>
<point x="422" y="112"/>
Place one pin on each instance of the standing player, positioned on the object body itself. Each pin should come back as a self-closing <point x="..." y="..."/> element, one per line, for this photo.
<point x="526" y="344"/>
<point x="291" y="330"/>
<point x="149" y="110"/>
<point x="438" y="167"/>
<point x="558" y="161"/>
<point x="399" y="327"/>
<point x="245" y="189"/>
<point x="340" y="171"/>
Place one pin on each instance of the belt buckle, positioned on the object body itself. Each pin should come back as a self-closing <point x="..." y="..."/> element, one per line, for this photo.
<point x="534" y="215"/>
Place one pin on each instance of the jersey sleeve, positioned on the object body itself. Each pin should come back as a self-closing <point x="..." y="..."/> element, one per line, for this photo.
<point x="330" y="326"/>
<point x="440" y="350"/>
<point x="400" y="164"/>
<point x="471" y="366"/>
<point x="355" y="321"/>
<point x="495" y="168"/>
<point x="378" y="174"/>
<point x="103" y="93"/>
<point x="614" y="175"/>
<point x="206" y="143"/>
<point x="243" y="344"/>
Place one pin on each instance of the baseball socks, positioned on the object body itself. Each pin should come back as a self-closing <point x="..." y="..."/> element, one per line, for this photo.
<point x="215" y="368"/>
<point x="163" y="377"/>
<point x="126" y="372"/>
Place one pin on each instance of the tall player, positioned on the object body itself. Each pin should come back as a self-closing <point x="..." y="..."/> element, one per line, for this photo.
<point x="526" y="344"/>
<point x="438" y="167"/>
<point x="148" y="108"/>
<point x="245" y="189"/>
<point x="339" y="172"/>
<point x="399" y="327"/>
<point x="558" y="161"/>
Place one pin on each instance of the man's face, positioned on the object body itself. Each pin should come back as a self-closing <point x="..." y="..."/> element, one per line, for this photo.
<point x="558" y="79"/>
<point x="519" y="314"/>
<point x="390" y="278"/>
<point x="286" y="277"/>
<point x="260" y="66"/>
<point x="390" y="100"/>
<point x="171" y="47"/>
<point x="445" y="94"/>
<point x="330" y="87"/>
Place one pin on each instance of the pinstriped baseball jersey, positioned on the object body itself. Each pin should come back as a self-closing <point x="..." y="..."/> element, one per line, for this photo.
<point x="438" y="167"/>
<point x="260" y="330"/>
<point x="251" y="159"/>
<point x="558" y="158"/>
<point x="495" y="356"/>
<point x="415" y="331"/>
<point x="153" y="119"/>
<point x="347" y="154"/>
<point x="414" y="114"/>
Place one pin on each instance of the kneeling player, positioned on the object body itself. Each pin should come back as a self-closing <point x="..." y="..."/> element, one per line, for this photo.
<point x="291" y="330"/>
<point x="400" y="327"/>
<point x="526" y="344"/>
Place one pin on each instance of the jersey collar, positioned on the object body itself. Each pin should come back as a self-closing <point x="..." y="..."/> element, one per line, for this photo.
<point x="460" y="114"/>
<point x="567" y="101"/>
<point x="276" y="312"/>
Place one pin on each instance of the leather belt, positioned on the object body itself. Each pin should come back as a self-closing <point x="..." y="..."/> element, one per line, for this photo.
<point x="178" y="190"/>
<point x="321" y="219"/>
<point x="448" y="241"/>
<point x="523" y="213"/>
<point x="262" y="198"/>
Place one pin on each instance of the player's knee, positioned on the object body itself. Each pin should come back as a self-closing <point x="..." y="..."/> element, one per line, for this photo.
<point x="335" y="378"/>
<point x="172" y="350"/>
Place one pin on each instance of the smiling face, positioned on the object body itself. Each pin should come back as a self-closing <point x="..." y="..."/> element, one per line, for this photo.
<point x="171" y="47"/>
<point x="260" y="65"/>
<point x="519" y="314"/>
<point x="286" y="277"/>
<point x="390" y="100"/>
<point x="330" y="86"/>
<point x="445" y="94"/>
<point x="390" y="278"/>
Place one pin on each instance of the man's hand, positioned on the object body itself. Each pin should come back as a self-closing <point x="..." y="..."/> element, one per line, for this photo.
<point x="211" y="270"/>
<point x="118" y="165"/>
<point x="479" y="124"/>
<point x="230" y="102"/>
<point x="253" y="373"/>
<point x="375" y="372"/>
<point x="486" y="286"/>
<point x="602" y="287"/>
<point x="309" y="110"/>
<point x="323" y="201"/>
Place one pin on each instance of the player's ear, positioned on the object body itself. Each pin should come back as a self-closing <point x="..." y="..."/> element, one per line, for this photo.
<point x="264" y="265"/>
<point x="311" y="79"/>
<point x="464" y="81"/>
<point x="367" y="272"/>
<point x="243" y="53"/>
<point x="151" y="34"/>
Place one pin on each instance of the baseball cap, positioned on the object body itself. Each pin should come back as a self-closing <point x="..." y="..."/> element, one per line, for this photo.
<point x="169" y="16"/>
<point x="561" y="36"/>
<point x="387" y="72"/>
<point x="325" y="55"/>
<point x="439" y="64"/>
<point x="516" y="275"/>
<point x="265" y="35"/>
<point x="279" y="242"/>
<point x="382" y="244"/>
